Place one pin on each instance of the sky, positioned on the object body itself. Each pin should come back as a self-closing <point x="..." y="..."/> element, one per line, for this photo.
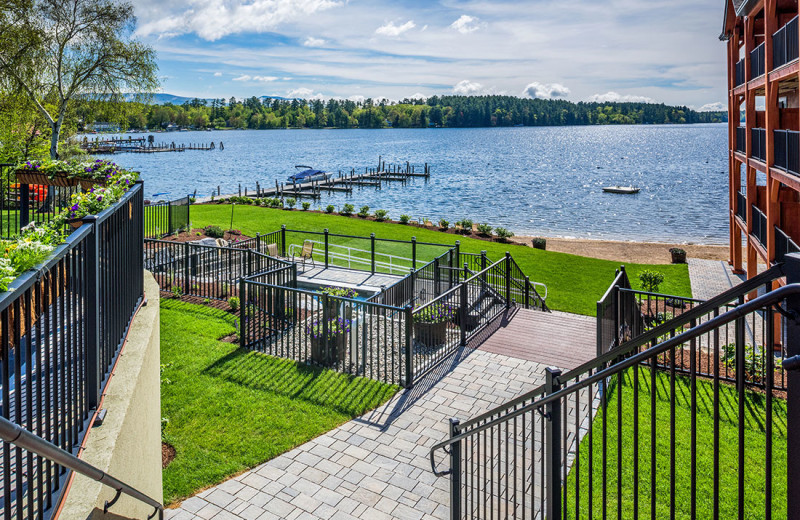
<point x="579" y="50"/>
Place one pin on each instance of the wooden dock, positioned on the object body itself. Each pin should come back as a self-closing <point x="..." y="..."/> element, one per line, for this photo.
<point x="142" y="145"/>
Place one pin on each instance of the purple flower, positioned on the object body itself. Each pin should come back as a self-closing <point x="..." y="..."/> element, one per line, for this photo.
<point x="99" y="198"/>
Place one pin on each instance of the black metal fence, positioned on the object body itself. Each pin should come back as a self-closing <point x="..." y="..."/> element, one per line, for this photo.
<point x="741" y="206"/>
<point x="21" y="204"/>
<point x="741" y="139"/>
<point x="759" y="143"/>
<point x="739" y="72"/>
<point x="784" y="44"/>
<point x="784" y="245"/>
<point x="61" y="328"/>
<point x="757" y="63"/>
<point x="165" y="218"/>
<point x="644" y="430"/>
<point x="613" y="322"/>
<point x="787" y="150"/>
<point x="759" y="225"/>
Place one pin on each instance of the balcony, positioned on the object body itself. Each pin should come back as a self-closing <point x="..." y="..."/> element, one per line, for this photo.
<point x="740" y="73"/>
<point x="741" y="206"/>
<point x="784" y="44"/>
<point x="757" y="65"/>
<point x="784" y="244"/>
<point x="741" y="139"/>
<point x="758" y="146"/>
<point x="759" y="226"/>
<point x="787" y="151"/>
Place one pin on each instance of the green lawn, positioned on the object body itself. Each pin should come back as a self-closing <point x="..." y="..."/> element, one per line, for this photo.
<point x="229" y="409"/>
<point x="575" y="283"/>
<point x="754" y="452"/>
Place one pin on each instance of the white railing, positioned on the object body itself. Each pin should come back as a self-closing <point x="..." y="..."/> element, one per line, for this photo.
<point x="339" y="256"/>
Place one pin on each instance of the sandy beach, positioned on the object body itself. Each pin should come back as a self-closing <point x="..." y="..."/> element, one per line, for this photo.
<point x="621" y="251"/>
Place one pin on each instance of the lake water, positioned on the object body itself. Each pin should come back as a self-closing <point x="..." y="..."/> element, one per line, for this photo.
<point x="533" y="181"/>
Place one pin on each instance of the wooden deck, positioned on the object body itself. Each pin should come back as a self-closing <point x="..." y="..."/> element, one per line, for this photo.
<point x="554" y="339"/>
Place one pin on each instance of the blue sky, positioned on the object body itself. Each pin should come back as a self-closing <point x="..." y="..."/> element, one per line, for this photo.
<point x="665" y="51"/>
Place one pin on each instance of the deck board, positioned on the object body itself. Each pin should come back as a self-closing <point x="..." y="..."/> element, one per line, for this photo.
<point x="349" y="277"/>
<point x="555" y="339"/>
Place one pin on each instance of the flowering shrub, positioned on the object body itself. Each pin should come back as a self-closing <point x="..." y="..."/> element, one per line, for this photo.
<point x="99" y="198"/>
<point x="342" y="292"/>
<point x="100" y="169"/>
<point x="436" y="313"/>
<point x="336" y="327"/>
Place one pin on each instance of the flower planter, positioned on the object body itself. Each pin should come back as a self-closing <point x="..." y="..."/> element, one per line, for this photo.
<point x="336" y="351"/>
<point x="75" y="223"/>
<point x="40" y="301"/>
<point x="44" y="179"/>
<point x="431" y="334"/>
<point x="678" y="256"/>
<point x="88" y="184"/>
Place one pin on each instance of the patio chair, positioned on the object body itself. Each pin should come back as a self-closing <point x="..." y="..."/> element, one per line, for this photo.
<point x="306" y="254"/>
<point x="272" y="250"/>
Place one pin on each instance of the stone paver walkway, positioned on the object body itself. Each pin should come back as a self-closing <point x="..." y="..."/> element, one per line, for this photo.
<point x="711" y="277"/>
<point x="377" y="466"/>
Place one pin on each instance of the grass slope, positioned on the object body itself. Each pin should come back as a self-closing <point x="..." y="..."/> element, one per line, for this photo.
<point x="755" y="442"/>
<point x="575" y="283"/>
<point x="230" y="410"/>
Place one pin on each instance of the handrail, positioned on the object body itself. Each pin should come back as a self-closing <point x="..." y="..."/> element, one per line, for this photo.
<point x="394" y="240"/>
<point x="24" y="439"/>
<point x="766" y="300"/>
<point x="457" y="286"/>
<point x="350" y="258"/>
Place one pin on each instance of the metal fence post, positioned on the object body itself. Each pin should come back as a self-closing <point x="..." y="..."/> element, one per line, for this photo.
<point x="455" y="472"/>
<point x="326" y="247"/>
<point x="25" y="204"/>
<point x="791" y="331"/>
<point x="409" y="314"/>
<point x="324" y="353"/>
<point x="527" y="291"/>
<point x="242" y="313"/>
<point x="436" y="276"/>
<point x="484" y="260"/>
<point x="186" y="284"/>
<point x="462" y="314"/>
<point x="552" y="447"/>
<point x="258" y="242"/>
<point x="92" y="309"/>
<point x="283" y="240"/>
<point x="508" y="279"/>
<point x="169" y="217"/>
<point x="372" y="249"/>
<point x="413" y="252"/>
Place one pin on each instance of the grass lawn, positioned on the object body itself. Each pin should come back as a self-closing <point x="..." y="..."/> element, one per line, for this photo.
<point x="575" y="283"/>
<point x="229" y="409"/>
<point x="755" y="441"/>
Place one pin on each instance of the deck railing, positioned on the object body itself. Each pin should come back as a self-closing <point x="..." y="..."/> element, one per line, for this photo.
<point x="61" y="329"/>
<point x="739" y="73"/>
<point x="645" y="429"/>
<point x="165" y="218"/>
<point x="741" y="139"/>
<point x="759" y="225"/>
<point x="758" y="144"/>
<point x="741" y="206"/>
<point x="787" y="151"/>
<point x="784" y="44"/>
<point x="784" y="245"/>
<point x="757" y="63"/>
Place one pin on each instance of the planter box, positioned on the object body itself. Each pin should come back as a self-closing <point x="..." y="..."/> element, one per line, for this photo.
<point x="431" y="334"/>
<point x="43" y="179"/>
<point x="39" y="304"/>
<point x="678" y="257"/>
<point x="336" y="351"/>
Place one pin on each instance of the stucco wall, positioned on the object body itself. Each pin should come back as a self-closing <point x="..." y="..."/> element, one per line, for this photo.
<point x="128" y="443"/>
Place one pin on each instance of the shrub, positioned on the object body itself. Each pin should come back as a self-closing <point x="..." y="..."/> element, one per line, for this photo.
<point x="306" y="205"/>
<point x="233" y="301"/>
<point x="651" y="280"/>
<point x="177" y="291"/>
<point x="443" y="224"/>
<point x="330" y="208"/>
<point x="276" y="203"/>
<point x="214" y="231"/>
<point x="381" y="215"/>
<point x="466" y="226"/>
<point x="484" y="230"/>
<point x="539" y="243"/>
<point x="754" y="366"/>
<point x="503" y="234"/>
<point x="347" y="210"/>
<point x="404" y="219"/>
<point x="290" y="203"/>
<point x="363" y="212"/>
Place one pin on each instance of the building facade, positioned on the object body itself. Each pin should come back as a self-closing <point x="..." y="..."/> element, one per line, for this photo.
<point x="764" y="131"/>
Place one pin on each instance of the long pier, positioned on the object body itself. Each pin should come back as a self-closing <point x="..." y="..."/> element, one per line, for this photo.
<point x="142" y="145"/>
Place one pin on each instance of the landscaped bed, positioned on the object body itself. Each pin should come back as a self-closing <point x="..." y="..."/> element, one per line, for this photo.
<point x="227" y="410"/>
<point x="575" y="283"/>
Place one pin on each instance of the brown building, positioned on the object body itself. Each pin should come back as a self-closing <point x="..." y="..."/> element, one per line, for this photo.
<point x="764" y="130"/>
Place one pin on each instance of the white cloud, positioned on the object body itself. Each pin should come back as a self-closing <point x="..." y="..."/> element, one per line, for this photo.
<point x="259" y="79"/>
<point x="538" y="90"/>
<point x="613" y="97"/>
<point x="713" y="107"/>
<point x="467" y="87"/>
<point x="314" y="42"/>
<point x="393" y="31"/>
<point x="466" y="24"/>
<point x="214" y="19"/>
<point x="418" y="95"/>
<point x="357" y="98"/>
<point x="304" y="93"/>
<point x="217" y="74"/>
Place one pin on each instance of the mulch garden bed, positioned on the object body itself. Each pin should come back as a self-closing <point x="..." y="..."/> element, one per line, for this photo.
<point x="167" y="454"/>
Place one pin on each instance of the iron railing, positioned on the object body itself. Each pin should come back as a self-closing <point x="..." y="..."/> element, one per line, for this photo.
<point x="784" y="44"/>
<point x="741" y="139"/>
<point x="787" y="151"/>
<point x="757" y="64"/>
<point x="741" y="206"/>
<point x="61" y="329"/>
<point x="165" y="218"/>
<point x="739" y="73"/>
<point x="759" y="225"/>
<point x="641" y="431"/>
<point x="612" y="326"/>
<point x="758" y="143"/>
<point x="784" y="245"/>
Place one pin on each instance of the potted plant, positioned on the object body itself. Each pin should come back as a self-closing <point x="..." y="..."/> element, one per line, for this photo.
<point x="328" y="340"/>
<point x="336" y="292"/>
<point x="678" y="255"/>
<point x="430" y="324"/>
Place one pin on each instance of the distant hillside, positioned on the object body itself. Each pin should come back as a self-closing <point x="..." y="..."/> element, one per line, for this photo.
<point x="163" y="99"/>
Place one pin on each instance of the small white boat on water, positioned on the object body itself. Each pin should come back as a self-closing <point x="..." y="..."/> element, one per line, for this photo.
<point x="626" y="190"/>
